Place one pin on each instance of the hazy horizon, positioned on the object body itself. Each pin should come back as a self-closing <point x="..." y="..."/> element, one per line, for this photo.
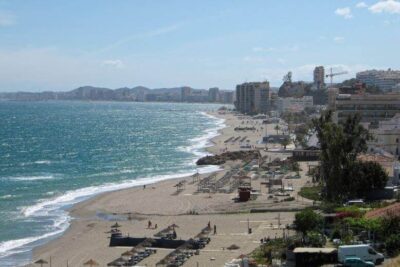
<point x="59" y="46"/>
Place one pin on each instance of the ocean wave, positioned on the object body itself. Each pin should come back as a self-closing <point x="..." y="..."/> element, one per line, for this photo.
<point x="43" y="162"/>
<point x="30" y="178"/>
<point x="55" y="208"/>
<point x="11" y="247"/>
<point x="7" y="196"/>
<point x="198" y="144"/>
<point x="46" y="206"/>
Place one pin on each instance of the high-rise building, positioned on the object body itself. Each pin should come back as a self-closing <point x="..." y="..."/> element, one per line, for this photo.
<point x="226" y="97"/>
<point x="253" y="97"/>
<point x="213" y="94"/>
<point x="186" y="92"/>
<point x="319" y="77"/>
<point x="386" y="80"/>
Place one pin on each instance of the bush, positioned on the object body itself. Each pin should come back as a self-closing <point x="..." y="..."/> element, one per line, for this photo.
<point x="308" y="220"/>
<point x="329" y="207"/>
<point x="313" y="192"/>
<point x="392" y="244"/>
<point x="315" y="239"/>
<point x="336" y="234"/>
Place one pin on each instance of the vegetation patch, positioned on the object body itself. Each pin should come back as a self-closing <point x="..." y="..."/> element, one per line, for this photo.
<point x="311" y="192"/>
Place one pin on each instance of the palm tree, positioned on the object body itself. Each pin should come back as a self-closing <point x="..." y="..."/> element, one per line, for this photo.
<point x="277" y="128"/>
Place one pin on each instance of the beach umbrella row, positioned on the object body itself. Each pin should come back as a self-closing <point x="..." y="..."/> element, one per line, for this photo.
<point x="90" y="263"/>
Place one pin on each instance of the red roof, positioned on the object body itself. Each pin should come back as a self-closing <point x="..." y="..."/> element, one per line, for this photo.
<point x="391" y="210"/>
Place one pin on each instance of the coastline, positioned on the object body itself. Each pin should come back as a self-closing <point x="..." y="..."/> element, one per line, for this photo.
<point x="191" y="209"/>
<point x="199" y="150"/>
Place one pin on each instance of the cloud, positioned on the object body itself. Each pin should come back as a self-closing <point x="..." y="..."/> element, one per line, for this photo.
<point x="6" y="19"/>
<point x="149" y="34"/>
<point x="287" y="48"/>
<point x="361" y="5"/>
<point x="338" y="39"/>
<point x="344" y="12"/>
<point x="281" y="61"/>
<point x="254" y="59"/>
<point x="387" y="6"/>
<point x="113" y="63"/>
<point x="263" y="49"/>
<point x="37" y="69"/>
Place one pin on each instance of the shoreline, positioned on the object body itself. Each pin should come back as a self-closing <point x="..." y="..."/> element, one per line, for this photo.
<point x="191" y="209"/>
<point x="157" y="180"/>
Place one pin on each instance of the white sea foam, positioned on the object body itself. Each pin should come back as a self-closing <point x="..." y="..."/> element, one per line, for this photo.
<point x="43" y="162"/>
<point x="31" y="178"/>
<point x="47" y="206"/>
<point x="199" y="143"/>
<point x="55" y="207"/>
<point x="11" y="247"/>
<point x="6" y="196"/>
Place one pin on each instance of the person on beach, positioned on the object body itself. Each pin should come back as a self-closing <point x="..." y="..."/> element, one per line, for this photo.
<point x="215" y="229"/>
<point x="149" y="224"/>
<point x="174" y="234"/>
<point x="209" y="225"/>
<point x="155" y="226"/>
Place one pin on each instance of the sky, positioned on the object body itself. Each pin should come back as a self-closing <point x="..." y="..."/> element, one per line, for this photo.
<point x="61" y="45"/>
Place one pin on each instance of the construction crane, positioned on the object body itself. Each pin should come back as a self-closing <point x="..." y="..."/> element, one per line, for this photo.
<point x="332" y="74"/>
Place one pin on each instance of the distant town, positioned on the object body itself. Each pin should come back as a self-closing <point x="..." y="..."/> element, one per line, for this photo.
<point x="135" y="94"/>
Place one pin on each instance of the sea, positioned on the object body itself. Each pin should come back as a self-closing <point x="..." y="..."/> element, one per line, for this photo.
<point x="56" y="154"/>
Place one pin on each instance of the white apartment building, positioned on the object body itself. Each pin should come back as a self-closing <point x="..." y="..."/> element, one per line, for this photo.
<point x="294" y="104"/>
<point x="387" y="136"/>
<point x="386" y="80"/>
<point x="372" y="108"/>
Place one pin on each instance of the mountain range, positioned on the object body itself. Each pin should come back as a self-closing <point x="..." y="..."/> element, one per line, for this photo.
<point x="92" y="93"/>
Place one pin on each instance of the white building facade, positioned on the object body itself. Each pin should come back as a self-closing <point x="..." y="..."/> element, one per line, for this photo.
<point x="294" y="104"/>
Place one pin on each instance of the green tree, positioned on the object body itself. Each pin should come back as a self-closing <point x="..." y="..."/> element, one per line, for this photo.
<point x="342" y="175"/>
<point x="364" y="177"/>
<point x="308" y="220"/>
<point x="285" y="142"/>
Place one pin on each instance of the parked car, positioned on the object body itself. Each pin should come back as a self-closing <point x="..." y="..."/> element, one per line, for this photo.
<point x="364" y="252"/>
<point x="355" y="202"/>
<point x="357" y="262"/>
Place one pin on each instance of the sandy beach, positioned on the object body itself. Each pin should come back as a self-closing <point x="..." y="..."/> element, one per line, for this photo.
<point x="162" y="204"/>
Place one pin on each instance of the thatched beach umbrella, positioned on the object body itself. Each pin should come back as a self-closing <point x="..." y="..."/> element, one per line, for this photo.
<point x="116" y="225"/>
<point x="127" y="253"/>
<point x="233" y="247"/>
<point x="91" y="263"/>
<point x="173" y="226"/>
<point x="41" y="262"/>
